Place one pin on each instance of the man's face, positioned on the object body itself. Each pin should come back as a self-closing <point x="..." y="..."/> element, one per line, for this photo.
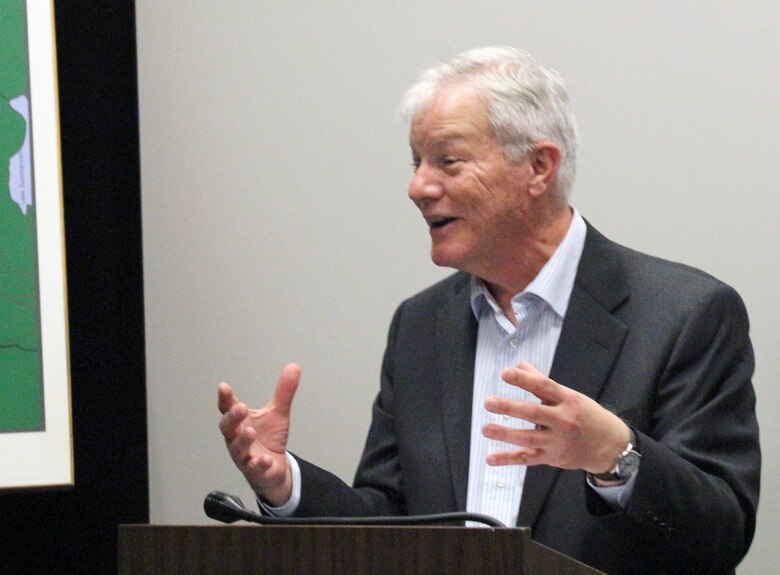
<point x="473" y="198"/>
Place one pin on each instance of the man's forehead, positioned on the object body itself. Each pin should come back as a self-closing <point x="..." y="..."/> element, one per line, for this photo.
<point x="453" y="112"/>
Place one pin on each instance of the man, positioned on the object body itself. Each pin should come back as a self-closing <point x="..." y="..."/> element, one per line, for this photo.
<point x="558" y="380"/>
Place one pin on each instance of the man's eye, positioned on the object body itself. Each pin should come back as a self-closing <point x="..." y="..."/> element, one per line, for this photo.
<point x="449" y="161"/>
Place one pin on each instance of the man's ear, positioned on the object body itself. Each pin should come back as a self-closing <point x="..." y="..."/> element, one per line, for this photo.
<point x="545" y="161"/>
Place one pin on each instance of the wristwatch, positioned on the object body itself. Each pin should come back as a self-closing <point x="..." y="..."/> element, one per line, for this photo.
<point x="625" y="466"/>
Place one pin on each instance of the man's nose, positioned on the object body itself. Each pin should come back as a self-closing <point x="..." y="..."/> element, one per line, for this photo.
<point x="425" y="185"/>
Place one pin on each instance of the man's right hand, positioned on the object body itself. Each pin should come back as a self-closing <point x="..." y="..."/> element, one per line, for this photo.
<point x="257" y="438"/>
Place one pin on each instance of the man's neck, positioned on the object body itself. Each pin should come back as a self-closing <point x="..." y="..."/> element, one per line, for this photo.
<point x="517" y="274"/>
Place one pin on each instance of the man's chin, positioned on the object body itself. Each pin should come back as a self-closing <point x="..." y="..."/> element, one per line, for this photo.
<point x="445" y="258"/>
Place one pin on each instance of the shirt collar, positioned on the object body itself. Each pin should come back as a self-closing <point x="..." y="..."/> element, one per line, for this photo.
<point x="553" y="283"/>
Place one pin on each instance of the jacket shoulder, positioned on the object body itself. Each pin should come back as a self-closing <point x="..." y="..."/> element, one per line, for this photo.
<point x="647" y="277"/>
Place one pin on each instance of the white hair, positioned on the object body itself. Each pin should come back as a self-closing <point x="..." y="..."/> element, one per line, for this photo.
<point x="527" y="102"/>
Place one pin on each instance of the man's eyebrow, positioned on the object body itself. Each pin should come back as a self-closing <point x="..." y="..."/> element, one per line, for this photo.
<point x="444" y="140"/>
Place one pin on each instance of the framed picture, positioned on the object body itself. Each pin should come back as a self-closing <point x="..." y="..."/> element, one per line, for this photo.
<point x="36" y="444"/>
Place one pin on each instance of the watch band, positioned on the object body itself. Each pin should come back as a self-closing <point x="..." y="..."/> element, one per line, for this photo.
<point x="627" y="464"/>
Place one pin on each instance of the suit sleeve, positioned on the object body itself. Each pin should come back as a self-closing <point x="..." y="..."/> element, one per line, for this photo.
<point x="695" y="497"/>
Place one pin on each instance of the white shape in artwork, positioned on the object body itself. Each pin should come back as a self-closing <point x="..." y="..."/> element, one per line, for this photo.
<point x="20" y="166"/>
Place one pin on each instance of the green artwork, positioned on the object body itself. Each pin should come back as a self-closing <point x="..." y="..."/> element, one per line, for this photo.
<point x="21" y="374"/>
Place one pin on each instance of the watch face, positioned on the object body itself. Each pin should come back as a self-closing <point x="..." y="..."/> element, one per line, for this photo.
<point x="628" y="465"/>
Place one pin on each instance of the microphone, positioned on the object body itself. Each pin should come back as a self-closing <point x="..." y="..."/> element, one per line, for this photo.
<point x="225" y="507"/>
<point x="229" y="509"/>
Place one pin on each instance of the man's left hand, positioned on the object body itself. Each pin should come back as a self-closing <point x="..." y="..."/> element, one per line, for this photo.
<point x="572" y="430"/>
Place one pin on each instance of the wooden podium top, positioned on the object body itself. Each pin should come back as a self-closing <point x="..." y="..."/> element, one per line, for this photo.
<point x="326" y="550"/>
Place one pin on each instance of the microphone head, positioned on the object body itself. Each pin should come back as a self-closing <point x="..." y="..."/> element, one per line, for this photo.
<point x="223" y="507"/>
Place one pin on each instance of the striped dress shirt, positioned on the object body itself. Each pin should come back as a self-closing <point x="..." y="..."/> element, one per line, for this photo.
<point x="539" y="309"/>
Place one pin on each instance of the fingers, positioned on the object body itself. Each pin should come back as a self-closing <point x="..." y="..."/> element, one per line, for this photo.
<point x="241" y="447"/>
<point x="523" y="456"/>
<point x="526" y="377"/>
<point x="283" y="396"/>
<point x="524" y="365"/>
<point x="240" y="441"/>
<point x="225" y="397"/>
<point x="535" y="438"/>
<point x="531" y="447"/>
<point x="538" y="414"/>
<point x="257" y="466"/>
<point x="253" y="463"/>
<point x="231" y="420"/>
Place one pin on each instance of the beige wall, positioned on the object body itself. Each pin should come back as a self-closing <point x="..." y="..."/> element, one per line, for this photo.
<point x="276" y="226"/>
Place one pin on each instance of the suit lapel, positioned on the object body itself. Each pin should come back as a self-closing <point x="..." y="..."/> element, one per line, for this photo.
<point x="590" y="340"/>
<point x="456" y="339"/>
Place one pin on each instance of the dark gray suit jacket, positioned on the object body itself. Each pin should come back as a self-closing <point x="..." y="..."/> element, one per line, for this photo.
<point x="663" y="345"/>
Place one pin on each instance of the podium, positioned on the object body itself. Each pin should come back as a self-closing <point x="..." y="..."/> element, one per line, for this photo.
<point x="342" y="550"/>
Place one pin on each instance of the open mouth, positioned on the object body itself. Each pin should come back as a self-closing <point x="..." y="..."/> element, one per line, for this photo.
<point x="437" y="223"/>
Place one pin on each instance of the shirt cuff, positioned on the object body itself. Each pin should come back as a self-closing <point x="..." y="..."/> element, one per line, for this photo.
<point x="616" y="495"/>
<point x="291" y="506"/>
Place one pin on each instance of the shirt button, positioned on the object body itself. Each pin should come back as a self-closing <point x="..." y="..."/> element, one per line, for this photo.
<point x="513" y="343"/>
<point x="501" y="482"/>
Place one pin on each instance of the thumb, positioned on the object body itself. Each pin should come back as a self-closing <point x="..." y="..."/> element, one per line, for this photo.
<point x="285" y="388"/>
